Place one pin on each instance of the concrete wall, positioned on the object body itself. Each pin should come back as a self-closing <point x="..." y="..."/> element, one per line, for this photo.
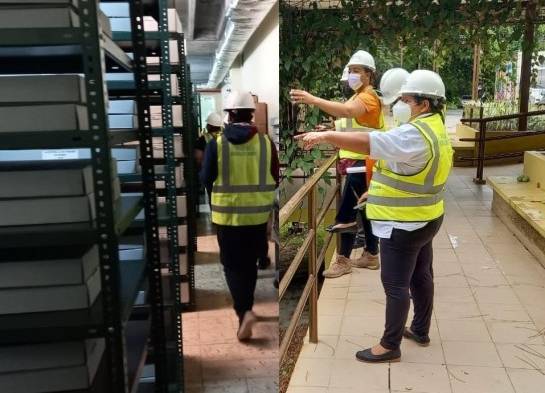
<point x="256" y="69"/>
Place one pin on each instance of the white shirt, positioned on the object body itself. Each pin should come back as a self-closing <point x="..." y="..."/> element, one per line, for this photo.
<point x="406" y="152"/>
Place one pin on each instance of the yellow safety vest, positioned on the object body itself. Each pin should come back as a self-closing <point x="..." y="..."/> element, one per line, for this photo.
<point x="243" y="193"/>
<point x="350" y="124"/>
<point x="418" y="197"/>
<point x="208" y="137"/>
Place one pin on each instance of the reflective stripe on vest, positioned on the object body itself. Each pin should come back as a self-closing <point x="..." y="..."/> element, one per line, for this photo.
<point x="417" y="197"/>
<point x="350" y="124"/>
<point x="243" y="197"/>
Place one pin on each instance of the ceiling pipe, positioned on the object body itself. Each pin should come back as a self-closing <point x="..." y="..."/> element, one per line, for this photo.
<point x="242" y="18"/>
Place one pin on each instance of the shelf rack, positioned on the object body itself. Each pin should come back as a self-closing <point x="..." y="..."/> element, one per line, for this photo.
<point x="87" y="50"/>
<point x="162" y="93"/>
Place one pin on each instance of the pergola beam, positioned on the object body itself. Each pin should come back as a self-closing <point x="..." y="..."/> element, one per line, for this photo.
<point x="476" y="71"/>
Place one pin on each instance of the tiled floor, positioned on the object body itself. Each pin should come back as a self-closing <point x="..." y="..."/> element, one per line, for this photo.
<point x="215" y="361"/>
<point x="489" y="319"/>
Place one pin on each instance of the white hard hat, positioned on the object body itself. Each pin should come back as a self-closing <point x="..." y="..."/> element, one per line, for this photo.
<point x="239" y="100"/>
<point x="214" y="120"/>
<point x="390" y="84"/>
<point x="424" y="83"/>
<point x="344" y="76"/>
<point x="362" y="58"/>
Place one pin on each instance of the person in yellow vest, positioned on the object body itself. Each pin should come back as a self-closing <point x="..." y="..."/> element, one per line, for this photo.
<point x="242" y="167"/>
<point x="214" y="124"/>
<point x="405" y="206"/>
<point x="362" y="112"/>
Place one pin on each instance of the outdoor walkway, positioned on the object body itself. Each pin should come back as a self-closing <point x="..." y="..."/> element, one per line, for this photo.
<point x="215" y="361"/>
<point x="489" y="321"/>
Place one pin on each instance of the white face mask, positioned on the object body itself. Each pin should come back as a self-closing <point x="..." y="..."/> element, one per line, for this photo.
<point x="354" y="81"/>
<point x="401" y="112"/>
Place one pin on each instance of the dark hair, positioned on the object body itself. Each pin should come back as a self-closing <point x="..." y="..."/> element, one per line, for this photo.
<point x="212" y="128"/>
<point x="241" y="115"/>
<point x="436" y="104"/>
<point x="372" y="76"/>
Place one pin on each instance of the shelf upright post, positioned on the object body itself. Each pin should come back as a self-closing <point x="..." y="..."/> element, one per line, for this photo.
<point x="170" y="183"/>
<point x="189" y="137"/>
<point x="153" y="261"/>
<point x="107" y="239"/>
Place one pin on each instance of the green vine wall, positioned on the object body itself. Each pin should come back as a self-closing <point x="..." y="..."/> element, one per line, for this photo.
<point x="315" y="44"/>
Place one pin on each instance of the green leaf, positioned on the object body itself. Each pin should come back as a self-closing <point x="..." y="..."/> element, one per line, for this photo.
<point x="316" y="153"/>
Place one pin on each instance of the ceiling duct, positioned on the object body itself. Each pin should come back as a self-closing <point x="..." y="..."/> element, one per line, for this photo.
<point x="242" y="18"/>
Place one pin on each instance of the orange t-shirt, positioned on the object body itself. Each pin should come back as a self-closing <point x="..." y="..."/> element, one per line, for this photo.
<point x="371" y="118"/>
<point x="373" y="108"/>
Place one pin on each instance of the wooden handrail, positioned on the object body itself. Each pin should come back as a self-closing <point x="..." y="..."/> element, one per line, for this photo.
<point x="503" y="117"/>
<point x="315" y="260"/>
<point x="288" y="335"/>
<point x="294" y="265"/>
<point x="287" y="210"/>
<point x="499" y="137"/>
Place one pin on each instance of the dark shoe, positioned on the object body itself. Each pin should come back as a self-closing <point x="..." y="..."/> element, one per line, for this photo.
<point x="423" y="341"/>
<point x="367" y="356"/>
<point x="263" y="263"/>
<point x="352" y="228"/>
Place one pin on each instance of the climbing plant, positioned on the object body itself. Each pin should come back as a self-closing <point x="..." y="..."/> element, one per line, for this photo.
<point x="316" y="43"/>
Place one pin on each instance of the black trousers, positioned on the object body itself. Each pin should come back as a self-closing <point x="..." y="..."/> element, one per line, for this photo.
<point x="354" y="186"/>
<point x="240" y="247"/>
<point x="407" y="259"/>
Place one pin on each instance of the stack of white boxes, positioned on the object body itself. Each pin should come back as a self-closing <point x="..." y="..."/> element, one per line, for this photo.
<point x="119" y="14"/>
<point x="122" y="114"/>
<point x="50" y="193"/>
<point x="62" y="100"/>
<point x="46" y="14"/>
<point x="50" y="367"/>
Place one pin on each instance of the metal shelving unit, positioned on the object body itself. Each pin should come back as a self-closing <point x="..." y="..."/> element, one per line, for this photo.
<point x="87" y="50"/>
<point x="162" y="93"/>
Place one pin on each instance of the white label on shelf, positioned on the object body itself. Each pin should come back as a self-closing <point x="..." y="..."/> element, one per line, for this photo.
<point x="60" y="154"/>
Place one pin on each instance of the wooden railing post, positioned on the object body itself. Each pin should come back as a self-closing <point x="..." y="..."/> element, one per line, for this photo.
<point x="480" y="157"/>
<point x="312" y="255"/>
<point x="315" y="218"/>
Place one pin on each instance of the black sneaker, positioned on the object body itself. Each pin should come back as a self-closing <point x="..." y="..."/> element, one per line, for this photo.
<point x="423" y="341"/>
